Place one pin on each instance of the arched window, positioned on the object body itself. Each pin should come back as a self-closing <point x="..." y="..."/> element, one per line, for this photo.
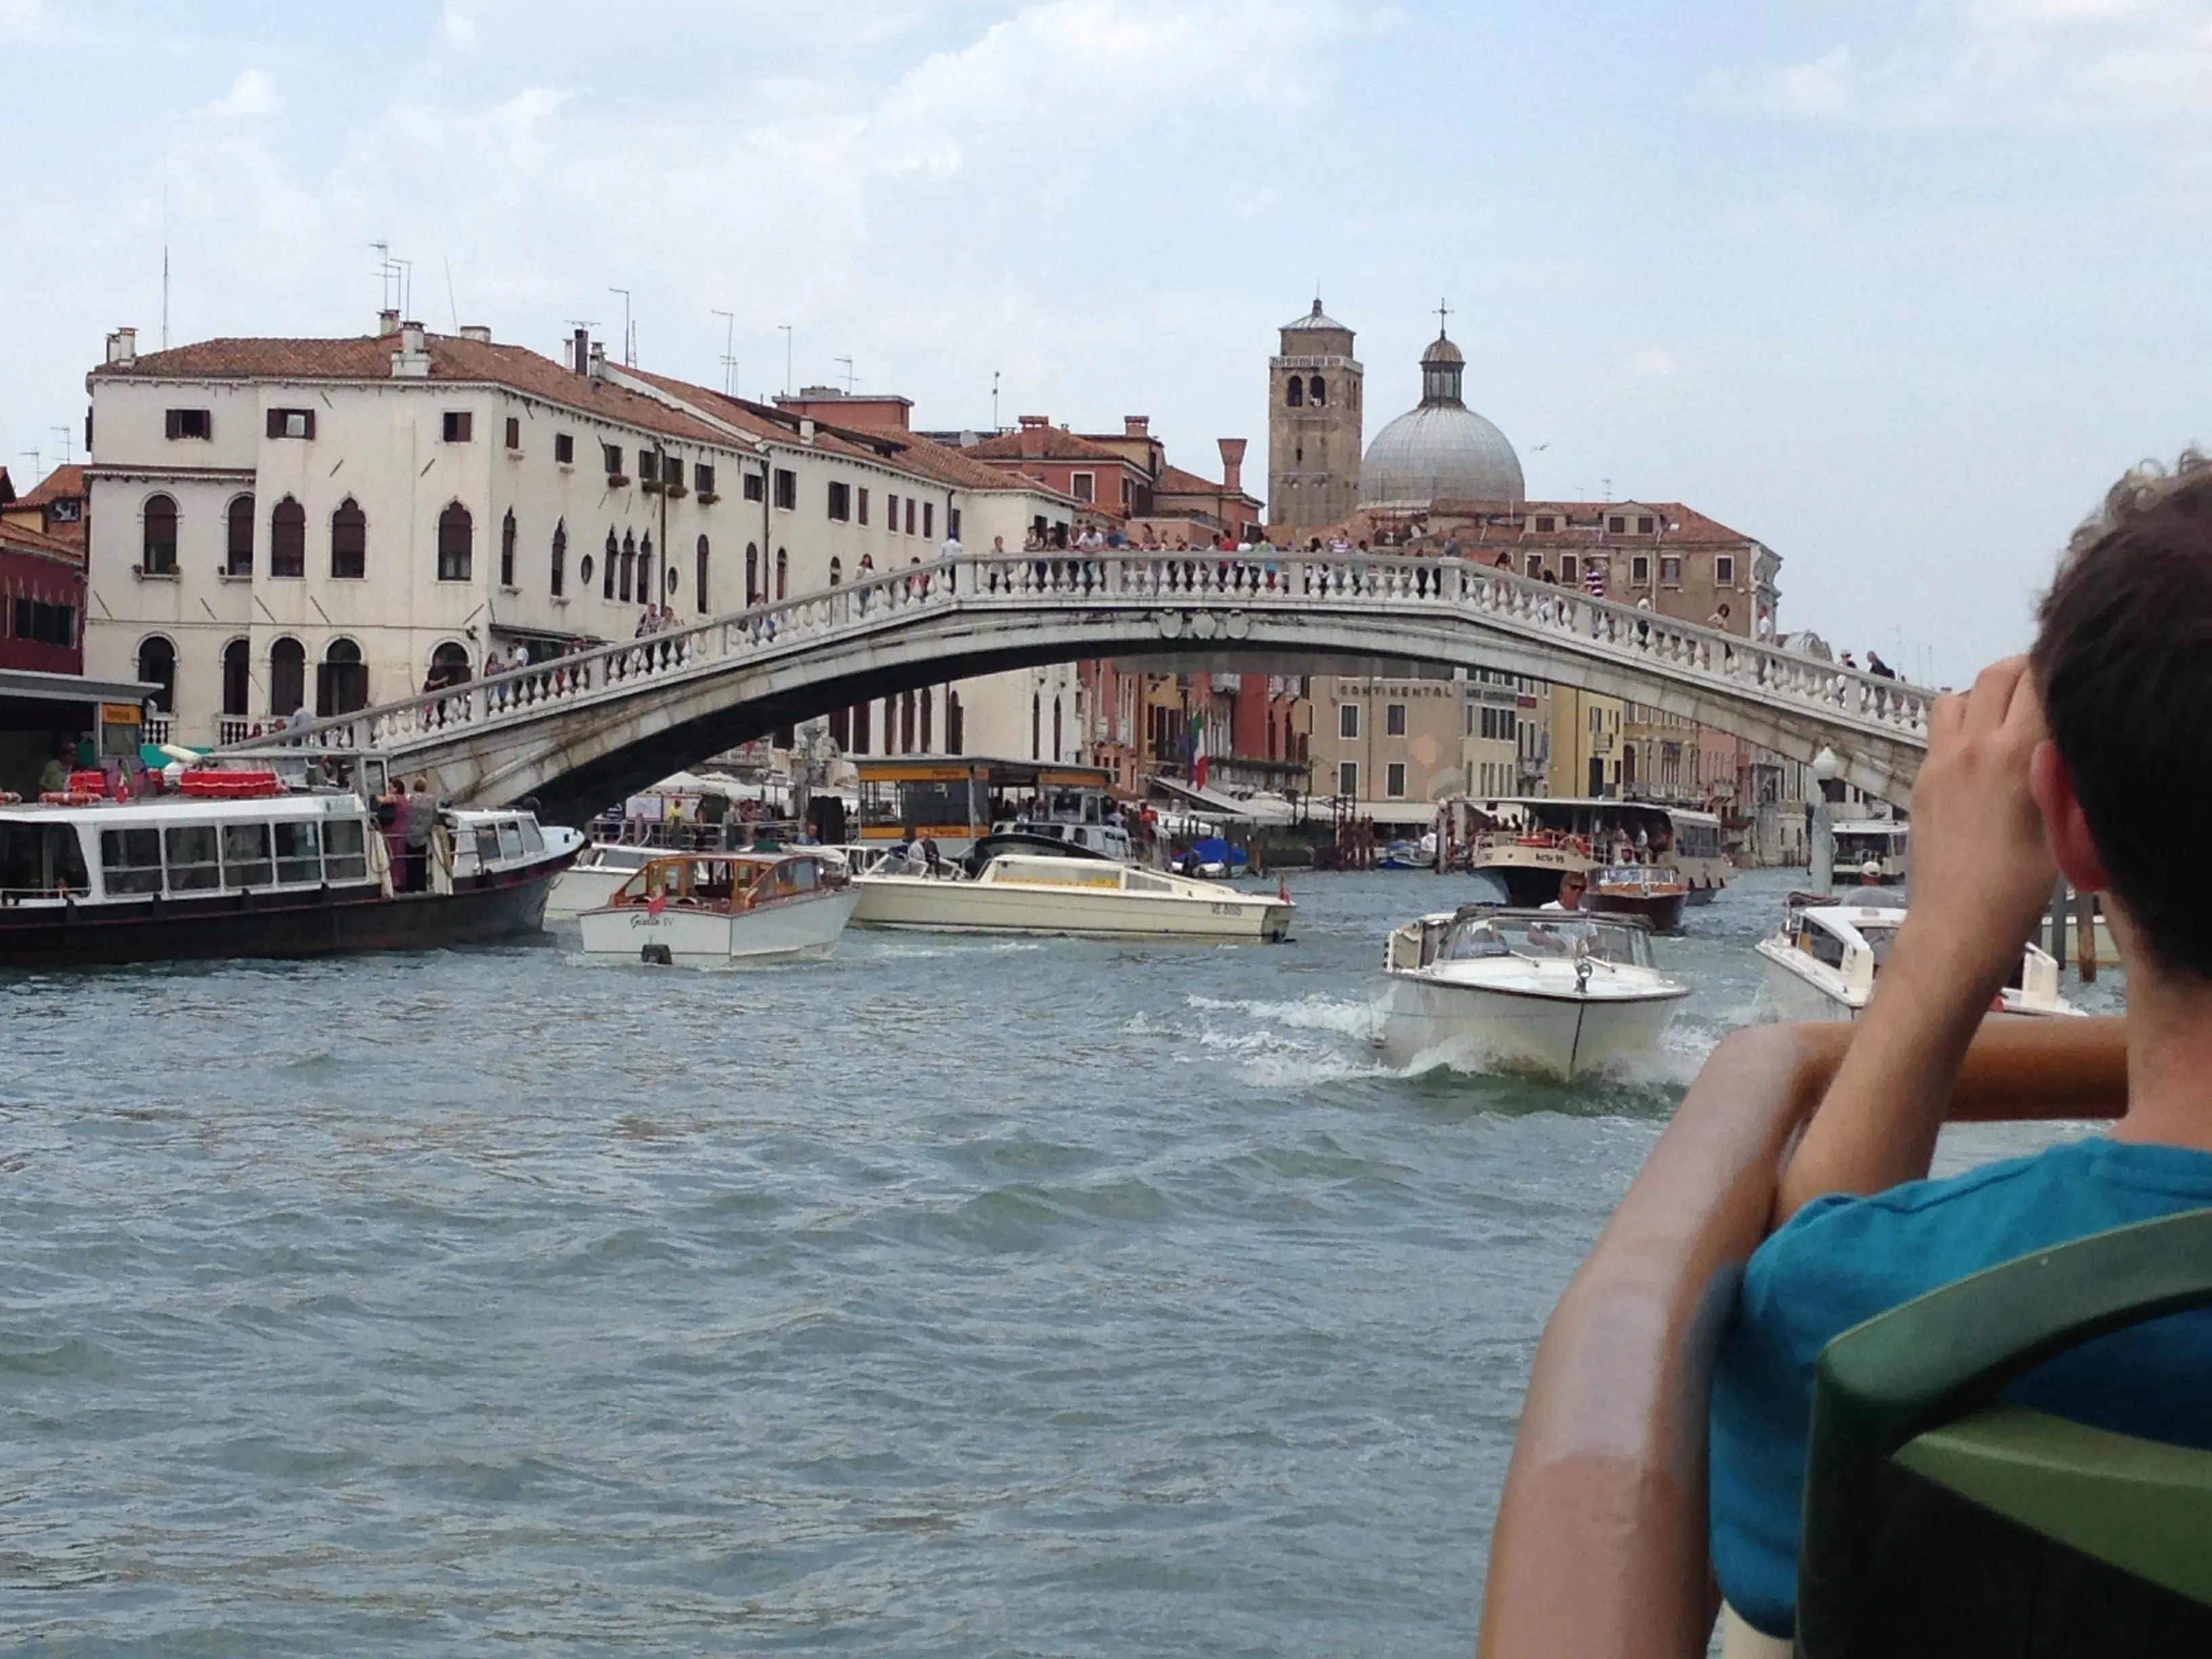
<point x="752" y="575"/>
<point x="1056" y="728"/>
<point x="629" y="565"/>
<point x="287" y="675"/>
<point x="926" y="723"/>
<point x="1316" y="391"/>
<point x="349" y="541"/>
<point x="157" y="664"/>
<point x="341" y="679"/>
<point x="237" y="678"/>
<point x="456" y="543"/>
<point x="782" y="572"/>
<point x="1294" y="393"/>
<point x="238" y="542"/>
<point x="699" y="588"/>
<point x="157" y="555"/>
<point x="561" y="559"/>
<point x="607" y="575"/>
<point x="507" y="550"/>
<point x="449" y="665"/>
<point x="644" y="589"/>
<point x="955" y="731"/>
<point x="836" y="570"/>
<point x="288" y="539"/>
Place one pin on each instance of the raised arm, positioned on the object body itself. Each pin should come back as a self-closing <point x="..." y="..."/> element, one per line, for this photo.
<point x="1982" y="872"/>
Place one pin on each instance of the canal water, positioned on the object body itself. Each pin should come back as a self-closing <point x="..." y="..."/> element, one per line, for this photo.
<point x="948" y="1297"/>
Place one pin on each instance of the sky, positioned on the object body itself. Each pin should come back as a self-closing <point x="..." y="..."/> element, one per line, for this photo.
<point x="1898" y="286"/>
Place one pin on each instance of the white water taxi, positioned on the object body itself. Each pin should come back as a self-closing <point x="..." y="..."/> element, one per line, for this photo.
<point x="1557" y="991"/>
<point x="708" y="909"/>
<point x="1824" y="962"/>
<point x="591" y="881"/>
<point x="1032" y="893"/>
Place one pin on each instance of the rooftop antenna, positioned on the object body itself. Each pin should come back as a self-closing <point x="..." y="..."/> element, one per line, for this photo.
<point x="38" y="463"/>
<point x="629" y="336"/>
<point x="729" y="349"/>
<point x="849" y="376"/>
<point x="451" y="304"/>
<point x="68" y="448"/>
<point x="165" y="261"/>
<point x="785" y="327"/>
<point x="994" y="400"/>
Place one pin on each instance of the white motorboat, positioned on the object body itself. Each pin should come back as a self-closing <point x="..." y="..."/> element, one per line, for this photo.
<point x="1823" y="963"/>
<point x="1556" y="991"/>
<point x="707" y="909"/>
<point x="1034" y="893"/>
<point x="591" y="881"/>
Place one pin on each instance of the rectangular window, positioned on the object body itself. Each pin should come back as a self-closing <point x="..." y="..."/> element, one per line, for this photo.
<point x="564" y="448"/>
<point x="1347" y="780"/>
<point x="193" y="865"/>
<point x="612" y="455"/>
<point x="344" y="857"/>
<point x="648" y="466"/>
<point x="1644" y="526"/>
<point x="291" y="422"/>
<point x="1347" y="719"/>
<point x="840" y="502"/>
<point x="891" y="513"/>
<point x="190" y="424"/>
<point x="46" y="624"/>
<point x="1546" y="522"/>
<point x="952" y="522"/>
<point x="461" y="426"/>
<point x="702" y="477"/>
<point x="929" y="519"/>
<point x="1569" y="573"/>
<point x="1394" y="779"/>
<point x="1724" y="569"/>
<point x="131" y="859"/>
<point x="1616" y="524"/>
<point x="753" y="486"/>
<point x="909" y="515"/>
<point x="1639" y="569"/>
<point x="1670" y="570"/>
<point x="514" y="431"/>
<point x="864" y="505"/>
<point x="1535" y="564"/>
<point x="786" y="489"/>
<point x="1394" y="719"/>
<point x="245" y="856"/>
<point x="1084" y="486"/>
<point x="299" y="855"/>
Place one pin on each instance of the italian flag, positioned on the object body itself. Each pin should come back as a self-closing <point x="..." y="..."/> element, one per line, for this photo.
<point x="1198" y="747"/>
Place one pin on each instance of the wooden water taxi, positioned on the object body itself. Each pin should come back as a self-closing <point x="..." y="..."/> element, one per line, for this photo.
<point x="709" y="910"/>
<point x="1027" y="893"/>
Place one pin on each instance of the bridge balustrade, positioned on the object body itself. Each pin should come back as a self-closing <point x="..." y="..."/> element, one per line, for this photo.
<point x="1025" y="583"/>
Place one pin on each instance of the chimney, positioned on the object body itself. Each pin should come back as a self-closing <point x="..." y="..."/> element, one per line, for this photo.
<point x="123" y="346"/>
<point x="598" y="368"/>
<point x="1136" y="426"/>
<point x="1029" y="421"/>
<point x="477" y="331"/>
<point x="387" y="324"/>
<point x="581" y="358"/>
<point x="1233" y="464"/>
<point x="412" y="361"/>
<point x="806" y="431"/>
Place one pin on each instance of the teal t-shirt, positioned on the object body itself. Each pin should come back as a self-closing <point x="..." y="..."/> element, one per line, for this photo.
<point x="1840" y="1261"/>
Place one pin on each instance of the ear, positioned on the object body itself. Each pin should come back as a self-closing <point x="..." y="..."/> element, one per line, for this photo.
<point x="2072" y="847"/>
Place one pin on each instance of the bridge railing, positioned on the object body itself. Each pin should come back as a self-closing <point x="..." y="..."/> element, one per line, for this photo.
<point x="1202" y="581"/>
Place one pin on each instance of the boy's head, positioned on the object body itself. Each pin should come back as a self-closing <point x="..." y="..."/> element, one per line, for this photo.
<point x="2123" y="662"/>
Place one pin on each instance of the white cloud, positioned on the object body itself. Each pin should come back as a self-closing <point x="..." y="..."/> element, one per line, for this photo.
<point x="253" y="93"/>
<point x="1819" y="88"/>
<point x="1654" y="362"/>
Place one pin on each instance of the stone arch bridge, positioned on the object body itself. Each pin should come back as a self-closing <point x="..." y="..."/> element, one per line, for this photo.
<point x="590" y="728"/>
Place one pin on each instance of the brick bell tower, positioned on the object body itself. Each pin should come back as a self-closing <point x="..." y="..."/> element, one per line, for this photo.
<point x="1314" y="428"/>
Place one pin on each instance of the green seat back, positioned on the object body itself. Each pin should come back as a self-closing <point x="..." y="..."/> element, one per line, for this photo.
<point x="1939" y="1522"/>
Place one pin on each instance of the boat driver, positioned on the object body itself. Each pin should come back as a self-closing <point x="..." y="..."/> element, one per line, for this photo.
<point x="2074" y="759"/>
<point x="1573" y="886"/>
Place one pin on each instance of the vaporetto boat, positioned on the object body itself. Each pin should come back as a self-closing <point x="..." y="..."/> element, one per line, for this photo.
<point x="1824" y="962"/>
<point x="1556" y="991"/>
<point x="1028" y="893"/>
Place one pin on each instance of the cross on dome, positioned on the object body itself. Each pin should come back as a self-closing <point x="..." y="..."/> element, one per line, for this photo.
<point x="1443" y="311"/>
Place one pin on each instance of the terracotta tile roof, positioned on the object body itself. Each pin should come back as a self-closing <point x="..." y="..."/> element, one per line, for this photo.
<point x="1044" y="443"/>
<point x="1585" y="523"/>
<point x="1174" y="481"/>
<point x="62" y="481"/>
<point x="453" y="359"/>
<point x="15" y="539"/>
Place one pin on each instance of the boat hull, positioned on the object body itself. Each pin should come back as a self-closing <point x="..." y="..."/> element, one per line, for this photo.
<point x="323" y="922"/>
<point x="714" y="938"/>
<point x="983" y="907"/>
<point x="1798" y="996"/>
<point x="1662" y="910"/>
<point x="579" y="891"/>
<point x="1565" y="1036"/>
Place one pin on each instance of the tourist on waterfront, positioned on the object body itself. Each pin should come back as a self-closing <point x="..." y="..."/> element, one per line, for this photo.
<point x="422" y="817"/>
<point x="2053" y="765"/>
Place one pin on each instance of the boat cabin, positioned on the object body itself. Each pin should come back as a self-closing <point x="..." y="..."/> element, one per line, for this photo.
<point x="728" y="882"/>
<point x="1881" y="841"/>
<point x="956" y="800"/>
<point x="1476" y="932"/>
<point x="107" y="852"/>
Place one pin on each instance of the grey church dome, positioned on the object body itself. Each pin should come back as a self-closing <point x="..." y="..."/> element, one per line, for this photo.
<point x="1441" y="449"/>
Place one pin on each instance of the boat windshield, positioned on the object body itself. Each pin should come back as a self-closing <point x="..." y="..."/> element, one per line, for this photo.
<point x="1560" y="934"/>
<point x="1879" y="936"/>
